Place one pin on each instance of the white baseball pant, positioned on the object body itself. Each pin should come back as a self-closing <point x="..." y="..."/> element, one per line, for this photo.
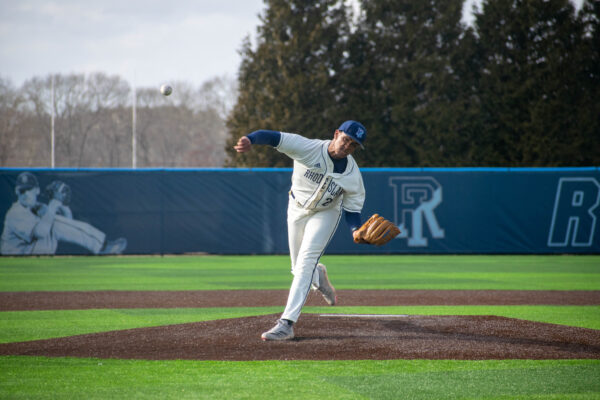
<point x="309" y="233"/>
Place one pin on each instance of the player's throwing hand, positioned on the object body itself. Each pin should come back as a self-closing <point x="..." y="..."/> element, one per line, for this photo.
<point x="243" y="145"/>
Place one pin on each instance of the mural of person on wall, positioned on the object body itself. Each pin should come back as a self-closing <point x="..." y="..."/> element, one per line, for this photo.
<point x="32" y="227"/>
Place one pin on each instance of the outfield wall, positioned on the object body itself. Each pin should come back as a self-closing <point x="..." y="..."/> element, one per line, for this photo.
<point x="243" y="211"/>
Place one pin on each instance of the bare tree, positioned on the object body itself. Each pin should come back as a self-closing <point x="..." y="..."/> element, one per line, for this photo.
<point x="78" y="106"/>
<point x="11" y="118"/>
<point x="219" y="94"/>
<point x="105" y="95"/>
<point x="181" y="130"/>
<point x="93" y="122"/>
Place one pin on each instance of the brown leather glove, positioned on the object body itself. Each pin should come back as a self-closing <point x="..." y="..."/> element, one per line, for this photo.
<point x="376" y="230"/>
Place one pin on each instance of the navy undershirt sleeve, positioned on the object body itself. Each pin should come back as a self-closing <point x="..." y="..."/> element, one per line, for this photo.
<point x="264" y="136"/>
<point x="353" y="220"/>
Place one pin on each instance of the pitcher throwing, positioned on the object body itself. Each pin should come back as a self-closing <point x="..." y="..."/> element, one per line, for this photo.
<point x="325" y="181"/>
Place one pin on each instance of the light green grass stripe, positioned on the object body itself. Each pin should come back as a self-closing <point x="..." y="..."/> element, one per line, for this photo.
<point x="67" y="378"/>
<point x="272" y="272"/>
<point x="18" y="326"/>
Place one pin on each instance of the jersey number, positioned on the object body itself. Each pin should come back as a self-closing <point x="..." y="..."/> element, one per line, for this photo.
<point x="327" y="201"/>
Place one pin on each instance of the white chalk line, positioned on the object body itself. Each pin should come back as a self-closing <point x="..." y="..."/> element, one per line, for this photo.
<point x="365" y="315"/>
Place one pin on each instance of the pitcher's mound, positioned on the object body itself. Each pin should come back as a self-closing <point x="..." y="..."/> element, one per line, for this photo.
<point x="329" y="337"/>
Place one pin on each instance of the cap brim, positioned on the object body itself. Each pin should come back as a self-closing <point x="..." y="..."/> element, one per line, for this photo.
<point x="25" y="188"/>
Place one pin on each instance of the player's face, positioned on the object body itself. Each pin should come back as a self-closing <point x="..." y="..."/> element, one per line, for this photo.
<point x="29" y="198"/>
<point x="342" y="145"/>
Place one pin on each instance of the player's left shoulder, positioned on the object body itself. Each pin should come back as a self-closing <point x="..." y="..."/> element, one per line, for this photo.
<point x="352" y="167"/>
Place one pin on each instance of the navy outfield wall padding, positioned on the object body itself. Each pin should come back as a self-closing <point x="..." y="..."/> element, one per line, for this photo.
<point x="243" y="211"/>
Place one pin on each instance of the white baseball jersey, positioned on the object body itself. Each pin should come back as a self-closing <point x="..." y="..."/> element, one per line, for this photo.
<point x="317" y="197"/>
<point x="314" y="184"/>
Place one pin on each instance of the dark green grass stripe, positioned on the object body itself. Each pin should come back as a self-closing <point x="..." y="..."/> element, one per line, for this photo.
<point x="67" y="378"/>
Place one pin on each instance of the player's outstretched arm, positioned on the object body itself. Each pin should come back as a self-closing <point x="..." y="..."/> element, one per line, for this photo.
<point x="261" y="136"/>
<point x="243" y="145"/>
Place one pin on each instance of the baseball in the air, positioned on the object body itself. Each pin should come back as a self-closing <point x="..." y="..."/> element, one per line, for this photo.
<point x="166" y="89"/>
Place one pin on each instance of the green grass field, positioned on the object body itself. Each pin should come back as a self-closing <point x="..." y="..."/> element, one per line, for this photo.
<point x="39" y="377"/>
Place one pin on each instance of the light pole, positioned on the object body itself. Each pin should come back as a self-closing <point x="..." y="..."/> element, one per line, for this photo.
<point x="52" y="126"/>
<point x="133" y="122"/>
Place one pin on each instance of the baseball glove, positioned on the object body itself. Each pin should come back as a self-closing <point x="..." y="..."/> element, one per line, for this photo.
<point x="376" y="230"/>
<point x="60" y="191"/>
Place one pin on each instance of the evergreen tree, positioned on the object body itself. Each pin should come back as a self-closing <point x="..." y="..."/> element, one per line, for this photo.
<point x="535" y="83"/>
<point x="519" y="89"/>
<point x="289" y="83"/>
<point x="446" y="121"/>
<point x="401" y="81"/>
<point x="585" y="150"/>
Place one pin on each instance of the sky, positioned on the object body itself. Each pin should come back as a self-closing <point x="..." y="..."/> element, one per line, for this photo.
<point x="145" y="42"/>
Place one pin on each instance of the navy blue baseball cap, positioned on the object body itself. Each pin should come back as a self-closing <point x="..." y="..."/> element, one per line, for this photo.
<point x="355" y="130"/>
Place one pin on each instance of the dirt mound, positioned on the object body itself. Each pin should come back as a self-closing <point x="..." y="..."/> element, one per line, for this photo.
<point x="329" y="337"/>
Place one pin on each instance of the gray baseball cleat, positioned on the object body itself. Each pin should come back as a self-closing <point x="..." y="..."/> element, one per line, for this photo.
<point x="326" y="288"/>
<point x="281" y="331"/>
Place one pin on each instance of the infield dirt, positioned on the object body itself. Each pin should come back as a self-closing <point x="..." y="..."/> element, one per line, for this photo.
<point x="23" y="301"/>
<point x="318" y="337"/>
<point x="331" y="338"/>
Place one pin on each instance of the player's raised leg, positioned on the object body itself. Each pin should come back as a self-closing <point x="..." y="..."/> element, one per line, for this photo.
<point x="78" y="232"/>
<point x="86" y="235"/>
<point x="323" y="285"/>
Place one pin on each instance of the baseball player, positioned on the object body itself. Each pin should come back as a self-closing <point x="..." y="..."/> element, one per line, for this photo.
<point x="325" y="181"/>
<point x="31" y="227"/>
